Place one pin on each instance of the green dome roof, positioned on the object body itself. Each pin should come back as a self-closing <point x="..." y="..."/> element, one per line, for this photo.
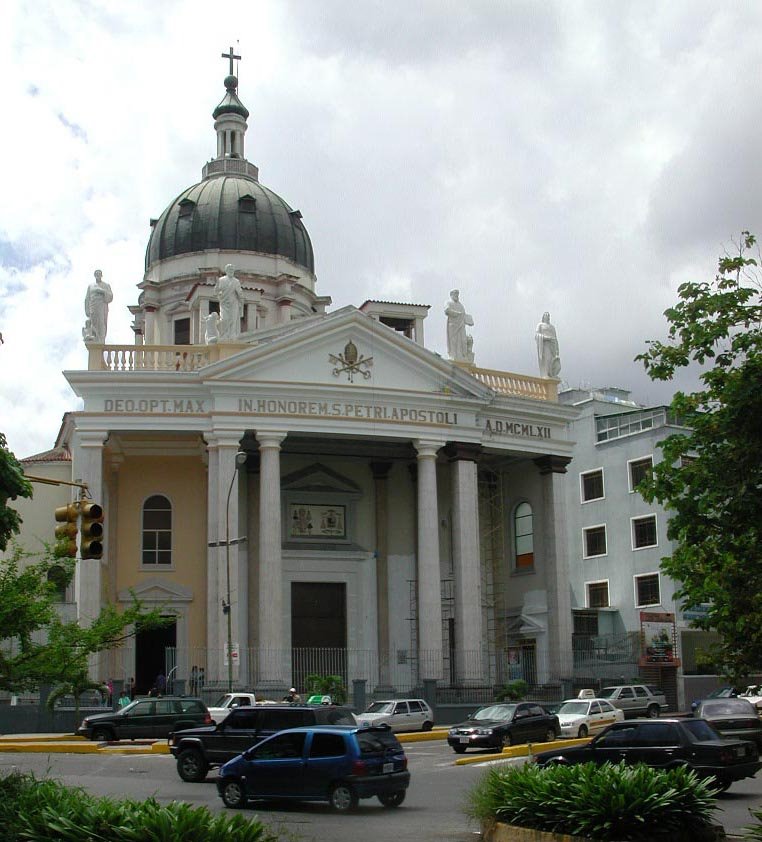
<point x="230" y="212"/>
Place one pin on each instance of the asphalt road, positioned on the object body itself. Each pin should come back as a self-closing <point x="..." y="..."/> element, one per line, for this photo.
<point x="432" y="812"/>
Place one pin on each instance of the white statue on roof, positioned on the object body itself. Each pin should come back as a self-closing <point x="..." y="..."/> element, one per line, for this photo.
<point x="459" y="343"/>
<point x="97" y="299"/>
<point x="230" y="294"/>
<point x="547" y="348"/>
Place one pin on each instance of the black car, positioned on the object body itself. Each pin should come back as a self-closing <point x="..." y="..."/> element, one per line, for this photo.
<point x="665" y="744"/>
<point x="146" y="719"/>
<point x="199" y="749"/>
<point x="735" y="719"/>
<point x="495" y="726"/>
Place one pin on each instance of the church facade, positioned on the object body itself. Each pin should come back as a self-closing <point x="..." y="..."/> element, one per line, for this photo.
<point x="312" y="491"/>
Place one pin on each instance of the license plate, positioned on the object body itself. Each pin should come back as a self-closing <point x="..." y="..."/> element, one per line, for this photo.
<point x="464" y="740"/>
<point x="739" y="751"/>
<point x="388" y="768"/>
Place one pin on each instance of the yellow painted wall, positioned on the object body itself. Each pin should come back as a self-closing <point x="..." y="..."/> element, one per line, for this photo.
<point x="182" y="480"/>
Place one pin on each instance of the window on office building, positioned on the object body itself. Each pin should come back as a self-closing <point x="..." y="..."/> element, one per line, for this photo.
<point x="594" y="541"/>
<point x="597" y="594"/>
<point x="644" y="532"/>
<point x="592" y="485"/>
<point x="647" y="591"/>
<point x="639" y="470"/>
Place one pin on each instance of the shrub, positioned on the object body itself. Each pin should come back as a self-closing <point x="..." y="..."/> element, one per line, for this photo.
<point x="754" y="831"/>
<point x="600" y="802"/>
<point x="326" y="685"/>
<point x="513" y="691"/>
<point x="46" y="811"/>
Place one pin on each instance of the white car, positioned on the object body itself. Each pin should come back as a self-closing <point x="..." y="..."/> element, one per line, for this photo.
<point x="222" y="707"/>
<point x="753" y="694"/>
<point x="399" y="715"/>
<point x="580" y="717"/>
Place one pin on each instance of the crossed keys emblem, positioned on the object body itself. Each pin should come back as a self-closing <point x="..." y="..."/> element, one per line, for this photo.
<point x="351" y="362"/>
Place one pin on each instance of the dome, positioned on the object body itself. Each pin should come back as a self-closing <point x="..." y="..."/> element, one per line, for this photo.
<point x="230" y="212"/>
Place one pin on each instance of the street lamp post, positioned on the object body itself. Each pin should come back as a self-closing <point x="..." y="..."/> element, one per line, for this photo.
<point x="240" y="459"/>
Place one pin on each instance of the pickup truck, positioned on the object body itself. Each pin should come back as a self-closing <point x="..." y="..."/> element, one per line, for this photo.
<point x="222" y="707"/>
<point x="635" y="699"/>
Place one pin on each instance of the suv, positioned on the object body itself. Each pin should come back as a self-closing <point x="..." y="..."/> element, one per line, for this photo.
<point x="399" y="714"/>
<point x="199" y="749"/>
<point x="635" y="699"/>
<point x="335" y="764"/>
<point x="146" y="718"/>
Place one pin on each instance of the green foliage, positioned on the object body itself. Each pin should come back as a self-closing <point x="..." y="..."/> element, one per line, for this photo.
<point x="36" y="646"/>
<point x="710" y="476"/>
<point x="599" y="802"/>
<point x="13" y="484"/>
<point x="46" y="811"/>
<point x="754" y="832"/>
<point x="513" y="691"/>
<point x="326" y="685"/>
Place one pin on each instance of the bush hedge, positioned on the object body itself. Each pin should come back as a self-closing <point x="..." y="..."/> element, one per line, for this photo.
<point x="33" y="810"/>
<point x="599" y="802"/>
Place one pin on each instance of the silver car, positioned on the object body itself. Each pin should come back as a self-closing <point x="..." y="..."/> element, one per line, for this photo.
<point x="399" y="714"/>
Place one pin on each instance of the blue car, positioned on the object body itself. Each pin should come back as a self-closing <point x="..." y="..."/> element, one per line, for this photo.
<point x="335" y="763"/>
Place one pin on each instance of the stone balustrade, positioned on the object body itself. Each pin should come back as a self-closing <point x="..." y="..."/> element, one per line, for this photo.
<point x="519" y="385"/>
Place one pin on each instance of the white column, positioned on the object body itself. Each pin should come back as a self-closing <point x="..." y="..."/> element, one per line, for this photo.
<point x="553" y="531"/>
<point x="466" y="563"/>
<point x="213" y="665"/>
<point x="429" y="584"/>
<point x="272" y="653"/>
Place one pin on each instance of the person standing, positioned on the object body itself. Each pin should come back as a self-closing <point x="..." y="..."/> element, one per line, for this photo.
<point x="292" y="697"/>
<point x="97" y="299"/>
<point x="160" y="684"/>
<point x="124" y="699"/>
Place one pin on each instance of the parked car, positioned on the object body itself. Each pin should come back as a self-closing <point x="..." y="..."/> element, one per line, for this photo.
<point x="495" y="726"/>
<point x="146" y="719"/>
<point x="222" y="707"/>
<point x="734" y="718"/>
<point x="399" y="714"/>
<point x="338" y="764"/>
<point x="664" y="745"/>
<point x="199" y="749"/>
<point x="580" y="717"/>
<point x="636" y="699"/>
<point x="720" y="693"/>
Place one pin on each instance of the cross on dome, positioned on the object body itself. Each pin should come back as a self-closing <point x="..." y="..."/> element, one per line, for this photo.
<point x="231" y="56"/>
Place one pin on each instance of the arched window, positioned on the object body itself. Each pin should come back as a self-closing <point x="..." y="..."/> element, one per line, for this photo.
<point x="157" y="531"/>
<point x="523" y="531"/>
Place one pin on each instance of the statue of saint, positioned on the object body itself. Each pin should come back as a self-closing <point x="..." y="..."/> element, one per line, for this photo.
<point x="97" y="299"/>
<point x="230" y="294"/>
<point x="212" y="328"/>
<point x="457" y="320"/>
<point x="547" y="348"/>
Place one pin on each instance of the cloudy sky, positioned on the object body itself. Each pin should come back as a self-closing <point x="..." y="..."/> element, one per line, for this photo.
<point x="578" y="157"/>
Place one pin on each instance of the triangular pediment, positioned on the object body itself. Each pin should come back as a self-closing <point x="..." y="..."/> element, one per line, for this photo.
<point x="320" y="479"/>
<point x="522" y="624"/>
<point x="156" y="590"/>
<point x="347" y="349"/>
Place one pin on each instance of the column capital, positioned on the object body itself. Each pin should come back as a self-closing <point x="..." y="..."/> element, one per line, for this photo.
<point x="552" y="464"/>
<point x="270" y="438"/>
<point x="92" y="438"/>
<point x="380" y="470"/>
<point x="427" y="448"/>
<point x="462" y="451"/>
<point x="220" y="438"/>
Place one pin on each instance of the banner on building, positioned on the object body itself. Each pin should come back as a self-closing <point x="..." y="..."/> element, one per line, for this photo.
<point x="658" y="640"/>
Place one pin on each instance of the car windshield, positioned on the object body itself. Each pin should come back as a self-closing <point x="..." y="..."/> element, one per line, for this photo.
<point x="580" y="708"/>
<point x="495" y="712"/>
<point x="700" y="730"/>
<point x="220" y="703"/>
<point x="607" y="692"/>
<point x="728" y="707"/>
<point x="379" y="707"/>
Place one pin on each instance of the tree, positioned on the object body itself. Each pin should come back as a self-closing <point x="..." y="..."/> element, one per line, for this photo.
<point x="710" y="478"/>
<point x="13" y="484"/>
<point x="36" y="645"/>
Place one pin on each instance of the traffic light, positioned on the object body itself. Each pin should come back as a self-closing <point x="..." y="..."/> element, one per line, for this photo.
<point x="66" y="533"/>
<point x="91" y="530"/>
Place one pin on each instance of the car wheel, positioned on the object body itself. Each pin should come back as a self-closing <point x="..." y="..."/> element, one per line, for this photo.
<point x="720" y="785"/>
<point x="506" y="739"/>
<point x="427" y="726"/>
<point x="102" y="735"/>
<point x="191" y="766"/>
<point x="582" y="731"/>
<point x="459" y="749"/>
<point x="653" y="711"/>
<point x="392" y="799"/>
<point x="550" y="735"/>
<point x="342" y="798"/>
<point x="556" y="761"/>
<point x="233" y="794"/>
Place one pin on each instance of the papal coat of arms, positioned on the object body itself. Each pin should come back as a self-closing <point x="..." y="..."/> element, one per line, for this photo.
<point x="351" y="362"/>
